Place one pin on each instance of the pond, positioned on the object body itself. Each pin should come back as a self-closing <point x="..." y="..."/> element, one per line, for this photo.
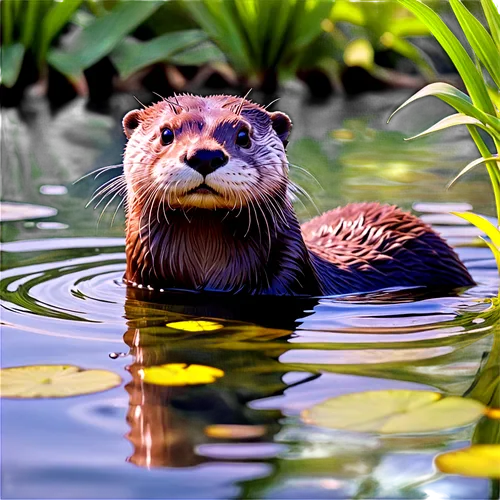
<point x="244" y="435"/>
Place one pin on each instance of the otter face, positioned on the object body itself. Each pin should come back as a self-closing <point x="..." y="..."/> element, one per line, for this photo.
<point x="205" y="152"/>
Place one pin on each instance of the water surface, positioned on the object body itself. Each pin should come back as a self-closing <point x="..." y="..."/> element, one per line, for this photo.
<point x="63" y="303"/>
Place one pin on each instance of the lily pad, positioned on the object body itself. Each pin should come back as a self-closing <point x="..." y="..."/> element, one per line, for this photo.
<point x="54" y="381"/>
<point x="179" y="374"/>
<point x="195" y="325"/>
<point x="394" y="412"/>
<point x="480" y="460"/>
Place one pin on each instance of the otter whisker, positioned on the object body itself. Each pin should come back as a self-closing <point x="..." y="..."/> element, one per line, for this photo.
<point x="117" y="208"/>
<point x="271" y="103"/>
<point x="108" y="204"/>
<point x="243" y="99"/>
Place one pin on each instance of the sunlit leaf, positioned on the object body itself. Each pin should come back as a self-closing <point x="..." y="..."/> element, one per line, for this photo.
<point x="359" y="53"/>
<point x="54" y="381"/>
<point x="471" y="76"/>
<point x="228" y="431"/>
<point x="394" y="412"/>
<point x="480" y="460"/>
<point x="131" y="56"/>
<point x="470" y="166"/>
<point x="480" y="40"/>
<point x="12" y="59"/>
<point x="483" y="224"/>
<point x="195" y="325"/>
<point x="493" y="18"/>
<point x="175" y="374"/>
<point x="456" y="99"/>
<point x="447" y="122"/>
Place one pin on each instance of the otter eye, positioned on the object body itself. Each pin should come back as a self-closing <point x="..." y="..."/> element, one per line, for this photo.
<point x="167" y="136"/>
<point x="243" y="138"/>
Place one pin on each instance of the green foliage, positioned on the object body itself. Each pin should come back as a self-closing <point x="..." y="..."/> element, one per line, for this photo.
<point x="256" y="41"/>
<point x="480" y="110"/>
<point x="263" y="37"/>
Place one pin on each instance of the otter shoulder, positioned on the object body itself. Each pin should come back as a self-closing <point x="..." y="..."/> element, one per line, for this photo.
<point x="365" y="246"/>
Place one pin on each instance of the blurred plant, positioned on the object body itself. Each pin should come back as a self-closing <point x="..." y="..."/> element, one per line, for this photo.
<point x="479" y="110"/>
<point x="99" y="29"/>
<point x="266" y="41"/>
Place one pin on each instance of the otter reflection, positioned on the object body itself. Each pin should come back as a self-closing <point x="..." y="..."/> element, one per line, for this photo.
<point x="168" y="423"/>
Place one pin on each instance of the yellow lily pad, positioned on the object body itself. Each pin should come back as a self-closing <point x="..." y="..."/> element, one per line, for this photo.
<point x="180" y="374"/>
<point x="480" y="460"/>
<point x="195" y="326"/>
<point x="54" y="381"/>
<point x="234" y="431"/>
<point x="394" y="412"/>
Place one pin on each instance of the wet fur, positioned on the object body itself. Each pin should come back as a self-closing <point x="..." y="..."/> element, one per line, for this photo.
<point x="248" y="239"/>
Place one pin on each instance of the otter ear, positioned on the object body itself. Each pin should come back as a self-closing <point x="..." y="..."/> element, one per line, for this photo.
<point x="131" y="121"/>
<point x="281" y="125"/>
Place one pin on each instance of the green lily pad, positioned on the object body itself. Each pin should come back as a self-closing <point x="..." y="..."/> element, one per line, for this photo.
<point x="480" y="460"/>
<point x="54" y="381"/>
<point x="394" y="412"/>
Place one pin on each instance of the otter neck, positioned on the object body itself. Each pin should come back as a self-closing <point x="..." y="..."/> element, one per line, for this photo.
<point x="251" y="251"/>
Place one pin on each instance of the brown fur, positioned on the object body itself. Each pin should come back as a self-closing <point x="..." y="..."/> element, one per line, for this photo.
<point x="243" y="235"/>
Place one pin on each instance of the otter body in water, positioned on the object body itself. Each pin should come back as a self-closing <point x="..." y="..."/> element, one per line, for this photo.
<point x="208" y="209"/>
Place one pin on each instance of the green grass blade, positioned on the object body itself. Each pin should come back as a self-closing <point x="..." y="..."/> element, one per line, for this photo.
<point x="131" y="56"/>
<point x="99" y="38"/>
<point x="198" y="55"/>
<point x="456" y="99"/>
<point x="449" y="121"/>
<point x="469" y="167"/>
<point x="29" y="23"/>
<point x="53" y="22"/>
<point x="483" y="224"/>
<point x="7" y="10"/>
<point x="222" y="25"/>
<point x="479" y="39"/>
<point x="472" y="78"/>
<point x="493" y="18"/>
<point x="12" y="59"/>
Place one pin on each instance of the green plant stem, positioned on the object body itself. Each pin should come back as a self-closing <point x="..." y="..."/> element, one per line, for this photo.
<point x="492" y="167"/>
<point x="30" y="23"/>
<point x="7" y="21"/>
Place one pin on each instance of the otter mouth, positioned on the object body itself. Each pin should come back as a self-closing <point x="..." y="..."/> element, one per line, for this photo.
<point x="203" y="189"/>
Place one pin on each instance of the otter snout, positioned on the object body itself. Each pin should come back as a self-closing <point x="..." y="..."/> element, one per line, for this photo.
<point x="206" y="161"/>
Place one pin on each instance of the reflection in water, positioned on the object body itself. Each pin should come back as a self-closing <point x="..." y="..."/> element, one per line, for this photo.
<point x="63" y="303"/>
<point x="272" y="374"/>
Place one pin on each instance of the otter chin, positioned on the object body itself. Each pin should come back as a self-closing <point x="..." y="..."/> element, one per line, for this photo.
<point x="208" y="209"/>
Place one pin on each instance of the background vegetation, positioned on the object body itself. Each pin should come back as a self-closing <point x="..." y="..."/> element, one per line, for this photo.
<point x="70" y="69"/>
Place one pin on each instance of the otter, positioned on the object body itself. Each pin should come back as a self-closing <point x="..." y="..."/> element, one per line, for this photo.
<point x="208" y="208"/>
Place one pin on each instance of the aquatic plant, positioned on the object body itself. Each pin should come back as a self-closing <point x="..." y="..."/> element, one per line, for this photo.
<point x="479" y="110"/>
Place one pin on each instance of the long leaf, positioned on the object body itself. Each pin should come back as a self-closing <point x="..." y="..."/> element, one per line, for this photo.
<point x="469" y="167"/>
<point x="101" y="37"/>
<point x="30" y="22"/>
<point x="472" y="78"/>
<point x="205" y="53"/>
<point x="493" y="18"/>
<point x="456" y="99"/>
<point x="7" y="10"/>
<point x="483" y="224"/>
<point x="131" y="56"/>
<point x="449" y="121"/>
<point x="480" y="40"/>
<point x="53" y="22"/>
<point x="12" y="59"/>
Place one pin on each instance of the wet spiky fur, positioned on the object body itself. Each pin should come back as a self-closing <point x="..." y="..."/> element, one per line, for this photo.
<point x="246" y="238"/>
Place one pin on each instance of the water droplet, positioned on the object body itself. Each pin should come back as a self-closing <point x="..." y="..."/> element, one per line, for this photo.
<point x="115" y="355"/>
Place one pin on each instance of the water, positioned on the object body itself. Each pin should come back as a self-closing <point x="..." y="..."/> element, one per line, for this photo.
<point x="63" y="303"/>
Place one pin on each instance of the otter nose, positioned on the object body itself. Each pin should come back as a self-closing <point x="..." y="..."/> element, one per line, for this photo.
<point x="205" y="161"/>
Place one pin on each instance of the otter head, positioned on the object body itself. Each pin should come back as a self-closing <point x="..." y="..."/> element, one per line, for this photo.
<point x="205" y="152"/>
